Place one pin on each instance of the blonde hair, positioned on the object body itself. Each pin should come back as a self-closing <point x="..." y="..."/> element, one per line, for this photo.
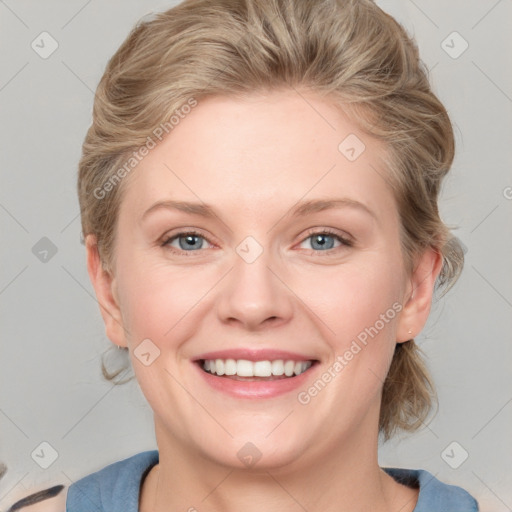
<point x="347" y="50"/>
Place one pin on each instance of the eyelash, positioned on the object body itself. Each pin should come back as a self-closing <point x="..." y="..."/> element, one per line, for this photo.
<point x="345" y="242"/>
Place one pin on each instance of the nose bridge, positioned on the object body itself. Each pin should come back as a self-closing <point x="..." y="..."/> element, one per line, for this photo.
<point x="253" y="293"/>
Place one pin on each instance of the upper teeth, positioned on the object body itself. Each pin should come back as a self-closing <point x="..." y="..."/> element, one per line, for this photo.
<point x="245" y="368"/>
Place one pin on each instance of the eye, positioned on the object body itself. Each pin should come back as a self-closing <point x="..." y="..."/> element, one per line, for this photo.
<point x="323" y="241"/>
<point x="188" y="241"/>
<point x="192" y="241"/>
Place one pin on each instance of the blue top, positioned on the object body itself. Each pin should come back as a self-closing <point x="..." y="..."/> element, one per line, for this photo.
<point x="116" y="488"/>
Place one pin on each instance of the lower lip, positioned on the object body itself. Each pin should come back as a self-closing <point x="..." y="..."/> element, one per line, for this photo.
<point x="254" y="389"/>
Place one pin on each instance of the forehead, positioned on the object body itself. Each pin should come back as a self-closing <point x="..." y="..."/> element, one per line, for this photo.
<point x="271" y="149"/>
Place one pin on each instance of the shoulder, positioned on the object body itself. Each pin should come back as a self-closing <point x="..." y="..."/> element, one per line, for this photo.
<point x="433" y="494"/>
<point x="113" y="488"/>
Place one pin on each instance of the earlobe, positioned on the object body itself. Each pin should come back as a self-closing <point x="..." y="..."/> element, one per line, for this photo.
<point x="104" y="287"/>
<point x="418" y="297"/>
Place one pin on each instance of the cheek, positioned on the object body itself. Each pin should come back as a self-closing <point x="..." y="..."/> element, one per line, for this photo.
<point x="160" y="301"/>
<point x="351" y="298"/>
<point x="159" y="306"/>
<point x="360" y="306"/>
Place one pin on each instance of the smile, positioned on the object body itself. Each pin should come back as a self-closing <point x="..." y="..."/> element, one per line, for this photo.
<point x="255" y="370"/>
<point x="259" y="379"/>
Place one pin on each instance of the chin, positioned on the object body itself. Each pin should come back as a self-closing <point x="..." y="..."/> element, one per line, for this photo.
<point x="256" y="451"/>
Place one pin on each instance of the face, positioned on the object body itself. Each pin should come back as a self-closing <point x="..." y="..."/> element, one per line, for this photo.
<point x="286" y="260"/>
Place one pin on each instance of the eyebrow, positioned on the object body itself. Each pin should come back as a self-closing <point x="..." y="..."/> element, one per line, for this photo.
<point x="300" y="210"/>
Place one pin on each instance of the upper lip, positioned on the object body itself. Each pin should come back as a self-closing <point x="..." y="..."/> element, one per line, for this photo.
<point x="254" y="355"/>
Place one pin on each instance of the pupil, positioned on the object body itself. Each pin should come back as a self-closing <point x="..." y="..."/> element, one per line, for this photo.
<point x="320" y="241"/>
<point x="191" y="240"/>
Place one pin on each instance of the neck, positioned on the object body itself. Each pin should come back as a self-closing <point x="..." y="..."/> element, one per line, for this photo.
<point x="346" y="479"/>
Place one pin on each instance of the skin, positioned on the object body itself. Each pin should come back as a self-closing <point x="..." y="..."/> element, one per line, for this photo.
<point x="252" y="160"/>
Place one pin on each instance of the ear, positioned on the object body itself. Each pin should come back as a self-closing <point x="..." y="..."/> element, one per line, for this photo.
<point x="104" y="286"/>
<point x="418" y="296"/>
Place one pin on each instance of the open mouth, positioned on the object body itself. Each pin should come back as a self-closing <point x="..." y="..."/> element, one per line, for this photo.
<point x="245" y="370"/>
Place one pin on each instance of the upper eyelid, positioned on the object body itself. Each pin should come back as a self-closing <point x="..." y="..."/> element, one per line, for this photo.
<point x="167" y="238"/>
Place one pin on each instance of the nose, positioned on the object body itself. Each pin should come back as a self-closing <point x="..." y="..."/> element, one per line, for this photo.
<point x="254" y="295"/>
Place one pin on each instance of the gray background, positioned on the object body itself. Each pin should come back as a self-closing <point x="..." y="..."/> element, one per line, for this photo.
<point x="51" y="389"/>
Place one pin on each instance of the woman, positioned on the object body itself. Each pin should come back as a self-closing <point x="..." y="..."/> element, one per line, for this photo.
<point x="258" y="195"/>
